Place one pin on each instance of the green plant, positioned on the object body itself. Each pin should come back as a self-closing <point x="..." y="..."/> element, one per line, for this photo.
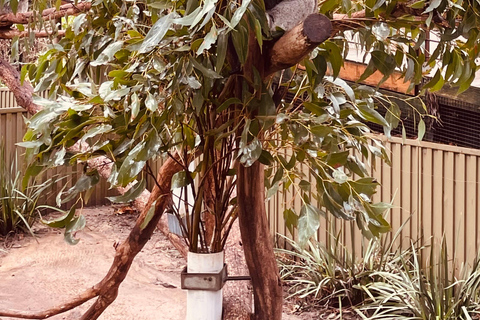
<point x="330" y="272"/>
<point x="19" y="206"/>
<point x="409" y="291"/>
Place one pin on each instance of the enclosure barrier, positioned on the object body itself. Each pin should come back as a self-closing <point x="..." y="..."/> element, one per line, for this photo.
<point x="434" y="189"/>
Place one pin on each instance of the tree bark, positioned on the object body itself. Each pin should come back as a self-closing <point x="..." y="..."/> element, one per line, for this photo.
<point x="12" y="33"/>
<point x="298" y="42"/>
<point x="107" y="289"/>
<point x="22" y="92"/>
<point x="7" y="20"/>
<point x="258" y="244"/>
<point x="138" y="237"/>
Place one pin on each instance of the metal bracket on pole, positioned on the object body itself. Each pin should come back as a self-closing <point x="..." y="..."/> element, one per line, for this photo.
<point x="208" y="281"/>
<point x="204" y="281"/>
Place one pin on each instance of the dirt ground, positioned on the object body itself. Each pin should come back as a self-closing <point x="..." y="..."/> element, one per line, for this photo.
<point x="37" y="274"/>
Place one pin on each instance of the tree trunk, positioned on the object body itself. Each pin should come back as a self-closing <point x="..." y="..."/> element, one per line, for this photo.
<point x="258" y="244"/>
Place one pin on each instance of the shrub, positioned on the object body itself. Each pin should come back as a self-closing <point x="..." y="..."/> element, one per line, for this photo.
<point x="19" y="206"/>
<point x="411" y="291"/>
<point x="331" y="273"/>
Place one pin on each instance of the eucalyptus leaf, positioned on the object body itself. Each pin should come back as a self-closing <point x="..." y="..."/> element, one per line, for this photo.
<point x="156" y="33"/>
<point x="308" y="223"/>
<point x="131" y="194"/>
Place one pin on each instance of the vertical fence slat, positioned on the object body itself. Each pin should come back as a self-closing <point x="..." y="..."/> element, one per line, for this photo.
<point x="459" y="207"/>
<point x="471" y="203"/>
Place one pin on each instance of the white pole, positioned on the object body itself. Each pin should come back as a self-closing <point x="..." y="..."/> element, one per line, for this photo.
<point x="203" y="304"/>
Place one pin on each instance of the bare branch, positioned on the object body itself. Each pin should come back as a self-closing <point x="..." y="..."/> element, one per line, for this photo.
<point x="84" y="297"/>
<point x="22" y="92"/>
<point x="298" y="42"/>
<point x="11" y="33"/>
<point x="47" y="14"/>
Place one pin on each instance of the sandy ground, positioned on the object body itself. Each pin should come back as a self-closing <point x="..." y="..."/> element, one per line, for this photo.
<point x="37" y="274"/>
<point x="42" y="272"/>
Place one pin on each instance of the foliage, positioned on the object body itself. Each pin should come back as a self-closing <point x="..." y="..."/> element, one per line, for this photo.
<point x="326" y="273"/>
<point x="134" y="81"/>
<point x="385" y="283"/>
<point x="19" y="206"/>
<point x="411" y="291"/>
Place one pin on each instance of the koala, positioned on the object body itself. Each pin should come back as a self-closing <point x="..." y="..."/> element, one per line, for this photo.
<point x="22" y="7"/>
<point x="286" y="14"/>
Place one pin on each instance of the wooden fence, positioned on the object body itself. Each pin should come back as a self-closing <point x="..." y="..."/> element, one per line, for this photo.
<point x="435" y="193"/>
<point x="434" y="188"/>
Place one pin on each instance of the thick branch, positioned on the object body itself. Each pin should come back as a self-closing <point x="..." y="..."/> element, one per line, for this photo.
<point x="47" y="14"/>
<point x="107" y="289"/>
<point x="11" y="33"/>
<point x="298" y="42"/>
<point x="84" y="297"/>
<point x="22" y="92"/>
<point x="138" y="237"/>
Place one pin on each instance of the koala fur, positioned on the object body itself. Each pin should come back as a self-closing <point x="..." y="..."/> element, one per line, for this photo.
<point x="287" y="14"/>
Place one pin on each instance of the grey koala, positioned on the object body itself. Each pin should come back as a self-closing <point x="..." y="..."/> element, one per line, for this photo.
<point x="22" y="7"/>
<point x="287" y="14"/>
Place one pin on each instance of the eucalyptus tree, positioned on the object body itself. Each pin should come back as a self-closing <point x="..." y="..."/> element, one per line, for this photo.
<point x="206" y="81"/>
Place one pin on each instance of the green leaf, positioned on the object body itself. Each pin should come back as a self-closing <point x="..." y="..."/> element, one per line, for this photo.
<point x="393" y="115"/>
<point x="135" y="105"/>
<point x="433" y="5"/>
<point x="372" y="115"/>
<point x="151" y="103"/>
<point x="421" y="129"/>
<point x="180" y="180"/>
<point x="148" y="216"/>
<point x="251" y="152"/>
<point x="209" y="73"/>
<point x="107" y="54"/>
<point x="367" y="186"/>
<point x="84" y="183"/>
<point x="339" y="176"/>
<point x="72" y="228"/>
<point x="291" y="219"/>
<point x="210" y="39"/>
<point x="98" y="130"/>
<point x="222" y="45"/>
<point x="335" y="56"/>
<point x="131" y="194"/>
<point x="237" y="16"/>
<point x="384" y="62"/>
<point x="62" y="221"/>
<point x="156" y="33"/>
<point x="266" y="158"/>
<point x="337" y="159"/>
<point x="308" y="223"/>
<point x="228" y="103"/>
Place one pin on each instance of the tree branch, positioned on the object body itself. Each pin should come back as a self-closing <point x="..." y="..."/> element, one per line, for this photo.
<point x="11" y="33"/>
<point x="298" y="42"/>
<point x="47" y="14"/>
<point x="107" y="289"/>
<point x="22" y="92"/>
<point x="84" y="297"/>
